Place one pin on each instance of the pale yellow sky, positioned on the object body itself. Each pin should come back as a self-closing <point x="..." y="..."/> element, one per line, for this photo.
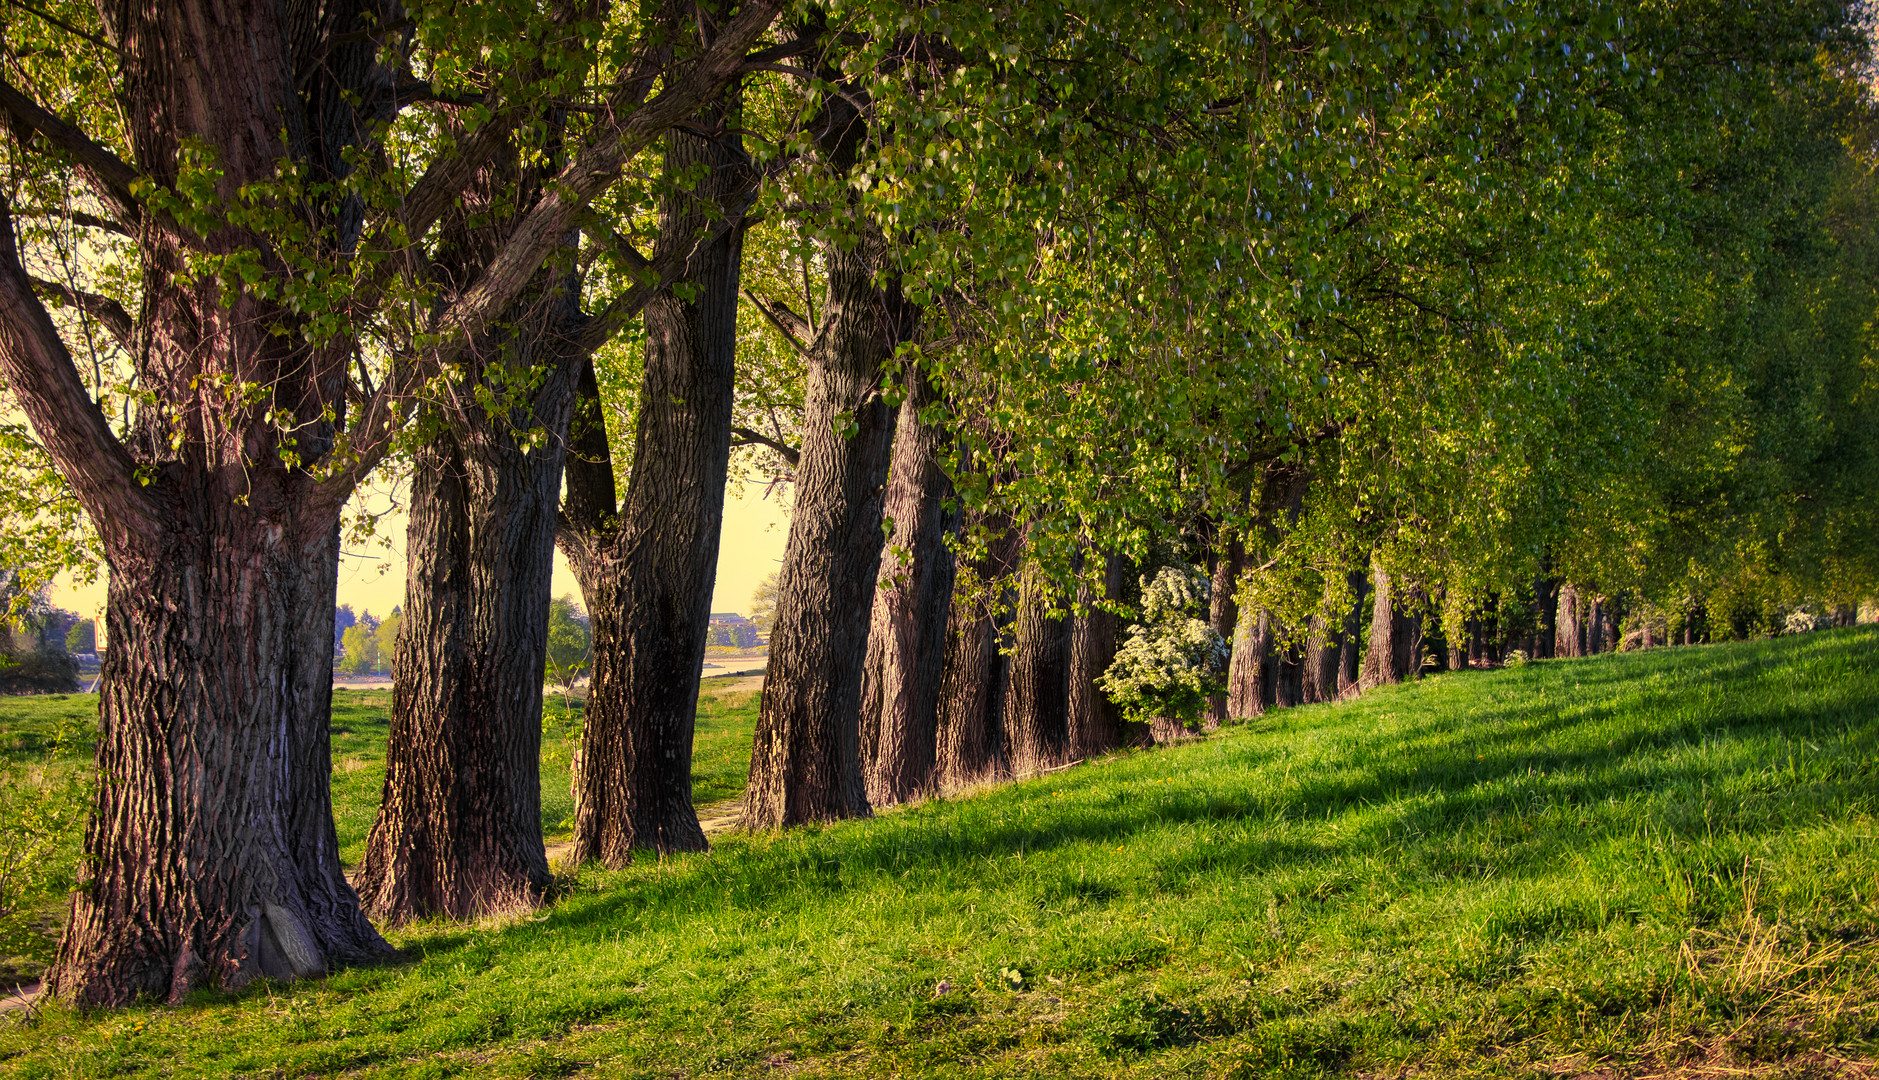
<point x="755" y="532"/>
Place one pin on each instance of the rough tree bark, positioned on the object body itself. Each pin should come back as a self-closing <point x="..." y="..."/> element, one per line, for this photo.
<point x="458" y="831"/>
<point x="1569" y="639"/>
<point x="647" y="566"/>
<point x="1248" y="666"/>
<point x="1094" y="721"/>
<point x="1037" y="719"/>
<point x="971" y="741"/>
<point x="1223" y="614"/>
<point x="806" y="765"/>
<point x="913" y="597"/>
<point x="1394" y="638"/>
<point x="1321" y="662"/>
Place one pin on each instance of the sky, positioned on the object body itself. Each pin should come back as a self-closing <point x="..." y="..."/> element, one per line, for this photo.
<point x="372" y="578"/>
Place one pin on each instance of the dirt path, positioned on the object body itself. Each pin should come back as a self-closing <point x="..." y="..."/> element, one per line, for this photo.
<point x="23" y="996"/>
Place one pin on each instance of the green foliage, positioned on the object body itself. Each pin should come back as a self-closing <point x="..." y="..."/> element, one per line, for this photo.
<point x="82" y="637"/>
<point x="570" y="645"/>
<point x="1171" y="661"/>
<point x="46" y="780"/>
<point x="1630" y="859"/>
<point x="367" y="646"/>
<point x="763" y="602"/>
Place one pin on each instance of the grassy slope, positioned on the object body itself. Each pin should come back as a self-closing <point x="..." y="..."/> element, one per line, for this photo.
<point x="1631" y="859"/>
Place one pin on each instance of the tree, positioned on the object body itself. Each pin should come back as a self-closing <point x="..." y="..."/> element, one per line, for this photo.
<point x="82" y="637"/>
<point x="359" y="653"/>
<point x="343" y="619"/>
<point x="646" y="562"/>
<point x="262" y="262"/>
<point x="763" y="602"/>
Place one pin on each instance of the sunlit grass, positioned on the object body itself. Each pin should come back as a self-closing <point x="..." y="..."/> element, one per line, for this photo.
<point x="1628" y="863"/>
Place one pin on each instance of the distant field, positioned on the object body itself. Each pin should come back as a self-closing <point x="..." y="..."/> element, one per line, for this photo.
<point x="1658" y="864"/>
<point x="45" y="759"/>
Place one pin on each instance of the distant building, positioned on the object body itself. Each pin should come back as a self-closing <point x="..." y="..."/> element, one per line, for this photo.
<point x="730" y="630"/>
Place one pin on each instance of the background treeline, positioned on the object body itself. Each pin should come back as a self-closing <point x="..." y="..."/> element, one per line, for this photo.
<point x="1121" y="361"/>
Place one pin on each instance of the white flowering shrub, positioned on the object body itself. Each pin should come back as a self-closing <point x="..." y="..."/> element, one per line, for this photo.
<point x="1172" y="661"/>
<point x="1803" y="621"/>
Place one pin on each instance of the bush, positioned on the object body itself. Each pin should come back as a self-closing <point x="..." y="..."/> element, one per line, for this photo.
<point x="1172" y="661"/>
<point x="39" y="673"/>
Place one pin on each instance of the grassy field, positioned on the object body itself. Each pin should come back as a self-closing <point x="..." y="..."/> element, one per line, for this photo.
<point x="1642" y="865"/>
<point x="45" y="756"/>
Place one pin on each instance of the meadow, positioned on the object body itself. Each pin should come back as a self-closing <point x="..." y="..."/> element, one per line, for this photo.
<point x="1648" y="864"/>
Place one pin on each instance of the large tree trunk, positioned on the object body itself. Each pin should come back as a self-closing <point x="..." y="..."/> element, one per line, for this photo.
<point x="1321" y="662"/>
<point x="971" y="741"/>
<point x="913" y="597"/>
<point x="211" y="857"/>
<point x="647" y="573"/>
<point x="1037" y="721"/>
<point x="458" y="832"/>
<point x="1395" y="638"/>
<point x="806" y="765"/>
<point x="1094" y="721"/>
<point x="1249" y="666"/>
<point x="1569" y="636"/>
<point x="1223" y="614"/>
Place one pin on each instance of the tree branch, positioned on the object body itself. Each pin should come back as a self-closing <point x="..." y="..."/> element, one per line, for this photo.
<point x="102" y="308"/>
<point x="791" y="325"/>
<point x="753" y="437"/>
<point x="76" y="217"/>
<point x="546" y="227"/>
<point x="74" y="431"/>
<point x="109" y="176"/>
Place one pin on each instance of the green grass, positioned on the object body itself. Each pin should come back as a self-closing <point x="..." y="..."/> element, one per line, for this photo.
<point x="45" y="768"/>
<point x="1628" y="863"/>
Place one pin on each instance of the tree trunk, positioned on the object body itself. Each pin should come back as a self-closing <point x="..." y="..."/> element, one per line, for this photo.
<point x="1288" y="670"/>
<point x="1395" y="637"/>
<point x="912" y="599"/>
<point x="1223" y="614"/>
<point x="459" y="831"/>
<point x="807" y="761"/>
<point x="1351" y="648"/>
<point x="1546" y="600"/>
<point x="1321" y="661"/>
<point x="1248" y="667"/>
<point x="1036" y="718"/>
<point x="648" y="572"/>
<point x="972" y="686"/>
<point x="1095" y="722"/>
<point x="211" y="857"/>
<point x="1566" y="626"/>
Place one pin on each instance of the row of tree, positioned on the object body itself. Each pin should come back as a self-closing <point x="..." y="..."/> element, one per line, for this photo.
<point x="1386" y="318"/>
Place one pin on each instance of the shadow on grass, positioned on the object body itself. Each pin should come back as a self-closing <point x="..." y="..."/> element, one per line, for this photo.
<point x="1532" y="744"/>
